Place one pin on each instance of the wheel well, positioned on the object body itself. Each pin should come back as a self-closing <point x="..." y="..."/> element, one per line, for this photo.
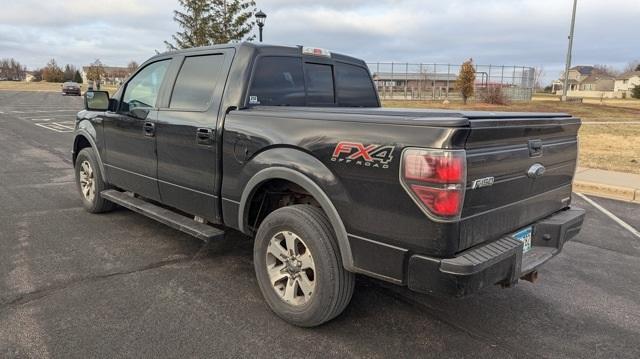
<point x="80" y="143"/>
<point x="274" y="194"/>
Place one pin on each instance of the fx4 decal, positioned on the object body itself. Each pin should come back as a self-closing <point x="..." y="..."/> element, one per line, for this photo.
<point x="363" y="155"/>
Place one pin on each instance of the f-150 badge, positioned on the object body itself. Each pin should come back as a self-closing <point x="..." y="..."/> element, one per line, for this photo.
<point x="482" y="182"/>
<point x="363" y="155"/>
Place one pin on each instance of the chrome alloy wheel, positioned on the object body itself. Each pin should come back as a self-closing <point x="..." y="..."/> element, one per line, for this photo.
<point x="87" y="181"/>
<point x="291" y="269"/>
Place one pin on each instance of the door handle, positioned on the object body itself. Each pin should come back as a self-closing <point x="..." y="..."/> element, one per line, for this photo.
<point x="149" y="129"/>
<point x="204" y="136"/>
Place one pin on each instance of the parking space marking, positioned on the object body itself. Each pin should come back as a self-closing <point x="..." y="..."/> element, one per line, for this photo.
<point x="615" y="218"/>
<point x="57" y="126"/>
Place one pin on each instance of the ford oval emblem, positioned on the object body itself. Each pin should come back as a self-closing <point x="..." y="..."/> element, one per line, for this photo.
<point x="535" y="171"/>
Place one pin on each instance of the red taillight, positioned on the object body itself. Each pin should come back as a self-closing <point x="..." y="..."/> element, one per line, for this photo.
<point x="436" y="180"/>
<point x="433" y="167"/>
<point x="442" y="202"/>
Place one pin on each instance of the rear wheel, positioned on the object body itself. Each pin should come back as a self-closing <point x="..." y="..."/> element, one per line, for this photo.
<point x="90" y="184"/>
<point x="299" y="268"/>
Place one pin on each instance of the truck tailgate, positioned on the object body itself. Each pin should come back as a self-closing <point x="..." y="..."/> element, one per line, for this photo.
<point x="506" y="149"/>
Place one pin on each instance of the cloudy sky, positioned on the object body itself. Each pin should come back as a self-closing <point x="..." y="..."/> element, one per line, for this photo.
<point x="522" y="32"/>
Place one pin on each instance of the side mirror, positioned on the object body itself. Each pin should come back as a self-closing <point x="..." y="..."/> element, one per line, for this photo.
<point x="140" y="113"/>
<point x="96" y="100"/>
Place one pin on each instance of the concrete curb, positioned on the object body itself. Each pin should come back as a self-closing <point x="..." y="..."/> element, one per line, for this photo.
<point x="628" y="194"/>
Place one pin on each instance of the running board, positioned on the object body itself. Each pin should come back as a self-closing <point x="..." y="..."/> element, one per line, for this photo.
<point x="163" y="215"/>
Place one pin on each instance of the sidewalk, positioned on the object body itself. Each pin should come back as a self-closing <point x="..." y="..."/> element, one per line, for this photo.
<point x="610" y="184"/>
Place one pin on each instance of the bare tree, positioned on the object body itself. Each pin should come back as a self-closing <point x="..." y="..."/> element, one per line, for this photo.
<point x="10" y="69"/>
<point x="96" y="71"/>
<point x="132" y="66"/>
<point x="632" y="66"/>
<point x="607" y="70"/>
<point x="538" y="74"/>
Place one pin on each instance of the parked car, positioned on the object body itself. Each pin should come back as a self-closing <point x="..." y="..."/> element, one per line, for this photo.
<point x="71" y="88"/>
<point x="290" y="146"/>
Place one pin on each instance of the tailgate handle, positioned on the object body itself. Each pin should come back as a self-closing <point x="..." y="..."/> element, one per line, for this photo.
<point x="535" y="148"/>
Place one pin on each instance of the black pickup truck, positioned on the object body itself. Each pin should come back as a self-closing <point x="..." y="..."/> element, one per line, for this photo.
<point x="290" y="146"/>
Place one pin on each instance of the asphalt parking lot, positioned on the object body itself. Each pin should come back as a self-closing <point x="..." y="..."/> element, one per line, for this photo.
<point x="74" y="284"/>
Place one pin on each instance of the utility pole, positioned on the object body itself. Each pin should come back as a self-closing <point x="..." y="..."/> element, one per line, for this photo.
<point x="568" y="63"/>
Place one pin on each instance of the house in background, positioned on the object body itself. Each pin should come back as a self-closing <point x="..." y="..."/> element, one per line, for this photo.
<point x="576" y="75"/>
<point x="596" y="82"/>
<point x="586" y="81"/>
<point x="28" y="76"/>
<point x="114" y="75"/>
<point x="625" y="83"/>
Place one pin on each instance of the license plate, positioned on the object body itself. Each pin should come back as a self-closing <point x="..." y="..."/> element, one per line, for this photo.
<point x="524" y="236"/>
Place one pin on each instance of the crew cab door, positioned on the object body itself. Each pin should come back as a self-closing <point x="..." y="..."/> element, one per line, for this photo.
<point x="187" y="148"/>
<point x="129" y="133"/>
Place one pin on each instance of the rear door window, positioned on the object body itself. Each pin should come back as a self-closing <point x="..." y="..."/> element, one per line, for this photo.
<point x="319" y="80"/>
<point x="278" y="81"/>
<point x="196" y="82"/>
<point x="354" y="86"/>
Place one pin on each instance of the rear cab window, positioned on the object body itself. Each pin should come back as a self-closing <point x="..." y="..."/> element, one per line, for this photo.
<point x="298" y="81"/>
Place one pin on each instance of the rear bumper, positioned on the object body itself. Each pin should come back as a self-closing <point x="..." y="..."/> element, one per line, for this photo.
<point x="71" y="91"/>
<point x="499" y="262"/>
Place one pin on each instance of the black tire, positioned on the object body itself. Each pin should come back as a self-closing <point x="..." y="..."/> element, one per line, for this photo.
<point x="95" y="203"/>
<point x="333" y="284"/>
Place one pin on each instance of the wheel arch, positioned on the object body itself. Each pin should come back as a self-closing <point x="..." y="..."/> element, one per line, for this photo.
<point x="306" y="183"/>
<point x="84" y="139"/>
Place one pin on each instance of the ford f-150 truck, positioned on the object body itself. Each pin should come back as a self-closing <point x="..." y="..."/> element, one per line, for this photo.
<point x="290" y="145"/>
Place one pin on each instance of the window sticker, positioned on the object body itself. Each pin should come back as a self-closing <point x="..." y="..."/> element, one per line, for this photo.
<point x="253" y="100"/>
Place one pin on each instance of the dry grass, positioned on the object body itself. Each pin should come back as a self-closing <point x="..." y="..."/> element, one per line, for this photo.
<point x="611" y="146"/>
<point x="586" y="111"/>
<point x="614" y="147"/>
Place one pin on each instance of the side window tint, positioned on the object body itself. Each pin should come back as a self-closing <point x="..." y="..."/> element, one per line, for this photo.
<point x="319" y="80"/>
<point x="142" y="90"/>
<point x="196" y="82"/>
<point x="278" y="81"/>
<point x="354" y="86"/>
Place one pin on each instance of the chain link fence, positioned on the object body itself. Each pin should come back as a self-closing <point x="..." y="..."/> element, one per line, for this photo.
<point x="406" y="81"/>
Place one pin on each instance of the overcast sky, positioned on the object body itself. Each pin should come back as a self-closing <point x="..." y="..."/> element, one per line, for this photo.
<point x="522" y="32"/>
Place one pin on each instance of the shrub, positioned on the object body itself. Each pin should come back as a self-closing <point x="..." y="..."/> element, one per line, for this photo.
<point x="466" y="80"/>
<point x="494" y="95"/>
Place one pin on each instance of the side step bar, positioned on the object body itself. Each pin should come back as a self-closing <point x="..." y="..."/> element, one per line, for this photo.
<point x="163" y="215"/>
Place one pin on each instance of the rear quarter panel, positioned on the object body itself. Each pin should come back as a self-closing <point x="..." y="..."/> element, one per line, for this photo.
<point x="370" y="200"/>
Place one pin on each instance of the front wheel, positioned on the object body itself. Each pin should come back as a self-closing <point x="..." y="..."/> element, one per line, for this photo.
<point x="90" y="184"/>
<point x="299" y="267"/>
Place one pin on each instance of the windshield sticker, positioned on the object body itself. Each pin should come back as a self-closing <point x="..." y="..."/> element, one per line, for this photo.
<point x="377" y="156"/>
<point x="253" y="100"/>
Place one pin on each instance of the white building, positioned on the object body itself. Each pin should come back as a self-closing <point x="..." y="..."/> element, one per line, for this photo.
<point x="625" y="83"/>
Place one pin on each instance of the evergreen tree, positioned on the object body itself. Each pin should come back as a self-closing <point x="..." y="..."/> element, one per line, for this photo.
<point x="231" y="20"/>
<point x="635" y="91"/>
<point x="466" y="80"/>
<point x="77" y="77"/>
<point x="69" y="72"/>
<point x="209" y="22"/>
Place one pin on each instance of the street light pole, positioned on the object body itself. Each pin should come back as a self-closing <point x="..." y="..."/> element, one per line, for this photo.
<point x="568" y="63"/>
<point x="260" y="19"/>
